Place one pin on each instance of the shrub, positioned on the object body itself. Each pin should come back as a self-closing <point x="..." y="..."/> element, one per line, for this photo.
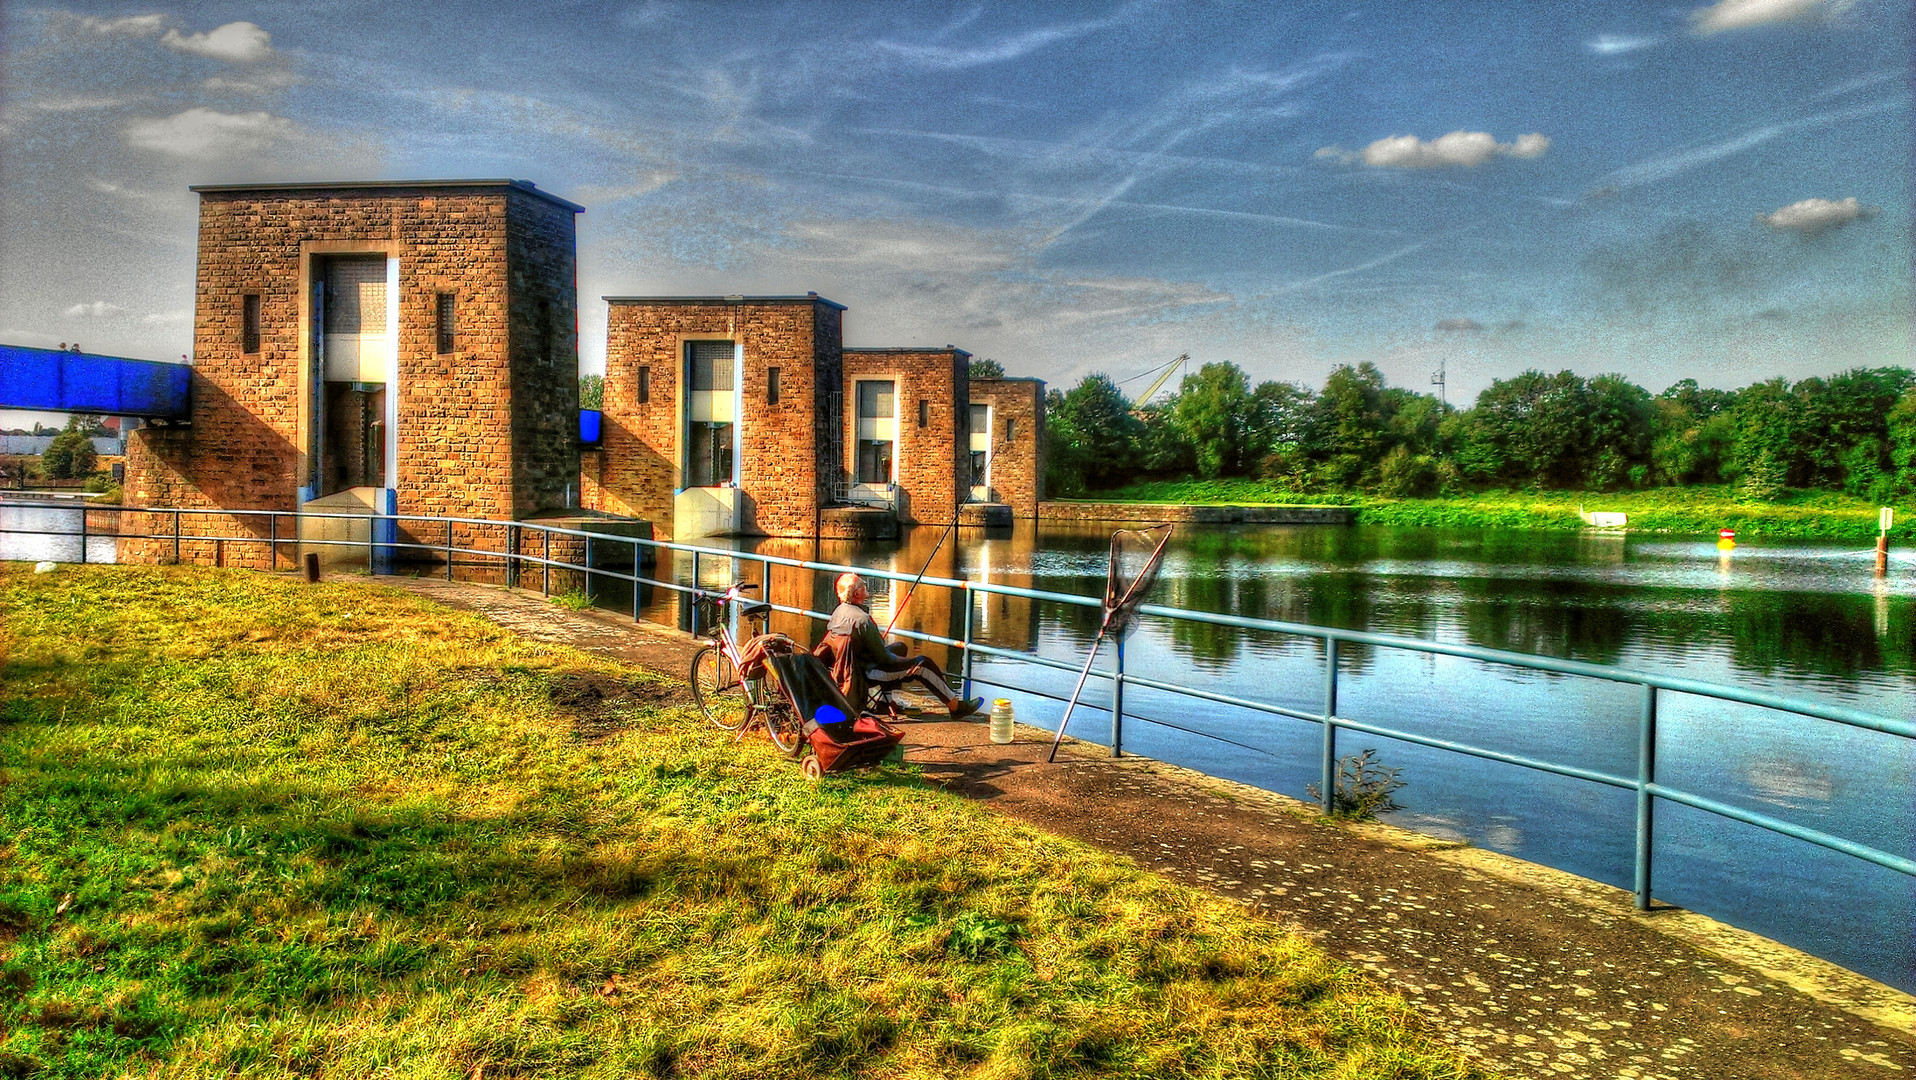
<point x="1363" y="788"/>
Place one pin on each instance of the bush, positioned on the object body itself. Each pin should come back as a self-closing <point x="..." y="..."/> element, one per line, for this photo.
<point x="70" y="455"/>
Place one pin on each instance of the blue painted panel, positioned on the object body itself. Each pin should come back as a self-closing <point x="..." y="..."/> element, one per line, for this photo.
<point x="75" y="382"/>
<point x="589" y="423"/>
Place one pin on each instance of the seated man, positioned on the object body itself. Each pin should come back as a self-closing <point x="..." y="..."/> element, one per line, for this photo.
<point x="859" y="650"/>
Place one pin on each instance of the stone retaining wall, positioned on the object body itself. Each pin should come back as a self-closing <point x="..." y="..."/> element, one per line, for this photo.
<point x="1199" y="515"/>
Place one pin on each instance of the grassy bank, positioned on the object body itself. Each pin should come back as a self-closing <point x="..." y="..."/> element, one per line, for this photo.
<point x="1697" y="511"/>
<point x="254" y="827"/>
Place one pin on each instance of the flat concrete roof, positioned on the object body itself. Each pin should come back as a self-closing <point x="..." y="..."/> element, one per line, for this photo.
<point x="808" y="298"/>
<point x="904" y="349"/>
<point x="526" y="186"/>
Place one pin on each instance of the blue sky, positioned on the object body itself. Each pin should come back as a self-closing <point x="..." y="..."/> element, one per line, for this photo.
<point x="1714" y="191"/>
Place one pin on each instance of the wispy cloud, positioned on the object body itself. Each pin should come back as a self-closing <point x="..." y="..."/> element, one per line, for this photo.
<point x="1372" y="264"/>
<point x="1459" y="326"/>
<point x="1681" y="161"/>
<point x="235" y="43"/>
<point x="125" y="26"/>
<point x="998" y="50"/>
<point x="200" y="132"/>
<point x="1615" y="44"/>
<point x="1813" y="216"/>
<point x="98" y="309"/>
<point x="1743" y="14"/>
<point x="1459" y="149"/>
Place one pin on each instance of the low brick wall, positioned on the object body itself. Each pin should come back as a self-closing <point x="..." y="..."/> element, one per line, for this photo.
<point x="1197" y="515"/>
<point x="985" y="516"/>
<point x="857" y="523"/>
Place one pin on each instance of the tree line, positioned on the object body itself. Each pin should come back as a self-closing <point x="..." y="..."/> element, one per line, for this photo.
<point x="1854" y="432"/>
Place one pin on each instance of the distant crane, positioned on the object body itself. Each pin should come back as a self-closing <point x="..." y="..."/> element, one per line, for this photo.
<point x="1157" y="384"/>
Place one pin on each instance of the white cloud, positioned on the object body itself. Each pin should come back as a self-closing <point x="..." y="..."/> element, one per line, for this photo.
<point x="1009" y="47"/>
<point x="1459" y="326"/>
<point x="126" y="26"/>
<point x="97" y="309"/>
<point x="235" y="43"/>
<point x="200" y="132"/>
<point x="1743" y="14"/>
<point x="1466" y="149"/>
<point x="1812" y="216"/>
<point x="1613" y="44"/>
<point x="259" y="82"/>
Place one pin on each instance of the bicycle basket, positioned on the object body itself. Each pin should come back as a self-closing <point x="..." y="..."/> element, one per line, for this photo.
<point x="710" y="612"/>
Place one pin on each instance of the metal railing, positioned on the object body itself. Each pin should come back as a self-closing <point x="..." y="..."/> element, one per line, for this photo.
<point x="381" y="544"/>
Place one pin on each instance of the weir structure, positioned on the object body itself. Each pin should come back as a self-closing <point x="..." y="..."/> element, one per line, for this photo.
<point x="410" y="348"/>
<point x="513" y="556"/>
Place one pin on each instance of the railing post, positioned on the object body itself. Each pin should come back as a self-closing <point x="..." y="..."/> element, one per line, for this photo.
<point x="1117" y="701"/>
<point x="1646" y="803"/>
<point x="545" y="564"/>
<point x="588" y="566"/>
<point x="82" y="534"/>
<point x="635" y="577"/>
<point x="176" y="538"/>
<point x="1327" y="773"/>
<point x="273" y="544"/>
<point x="372" y="530"/>
<point x="964" y="659"/>
<point x="513" y="536"/>
<point x="693" y="596"/>
<point x="449" y="550"/>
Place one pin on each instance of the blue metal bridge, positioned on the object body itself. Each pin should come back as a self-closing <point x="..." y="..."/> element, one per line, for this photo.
<point x="57" y="381"/>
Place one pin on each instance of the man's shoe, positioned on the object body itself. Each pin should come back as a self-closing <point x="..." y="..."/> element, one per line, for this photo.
<point x="962" y="709"/>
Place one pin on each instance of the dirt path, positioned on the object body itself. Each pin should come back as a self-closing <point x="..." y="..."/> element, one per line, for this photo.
<point x="1536" y="972"/>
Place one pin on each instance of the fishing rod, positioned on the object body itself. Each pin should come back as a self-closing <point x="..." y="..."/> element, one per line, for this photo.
<point x="899" y="608"/>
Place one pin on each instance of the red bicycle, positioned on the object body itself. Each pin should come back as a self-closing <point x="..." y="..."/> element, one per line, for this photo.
<point x="729" y="701"/>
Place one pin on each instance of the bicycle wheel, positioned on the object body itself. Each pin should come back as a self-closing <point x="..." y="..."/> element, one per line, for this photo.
<point x="718" y="691"/>
<point x="783" y="725"/>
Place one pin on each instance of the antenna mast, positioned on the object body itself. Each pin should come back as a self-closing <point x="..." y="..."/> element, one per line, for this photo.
<point x="1437" y="380"/>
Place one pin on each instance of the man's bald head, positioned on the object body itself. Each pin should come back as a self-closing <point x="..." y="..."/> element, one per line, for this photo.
<point x="851" y="589"/>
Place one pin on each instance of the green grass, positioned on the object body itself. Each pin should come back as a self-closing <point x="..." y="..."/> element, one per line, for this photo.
<point x="253" y="827"/>
<point x="1698" y="511"/>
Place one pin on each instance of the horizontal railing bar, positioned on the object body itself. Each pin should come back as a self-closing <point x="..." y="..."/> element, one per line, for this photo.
<point x="1759" y="699"/>
<point x="1778" y="825"/>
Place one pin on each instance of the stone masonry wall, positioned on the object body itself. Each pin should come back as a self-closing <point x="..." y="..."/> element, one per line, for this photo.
<point x="1017" y="467"/>
<point x="542" y="264"/>
<point x="931" y="458"/>
<point x="638" y="468"/>
<point x="247" y="445"/>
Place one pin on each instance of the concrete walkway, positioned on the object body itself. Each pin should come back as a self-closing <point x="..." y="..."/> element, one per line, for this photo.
<point x="1535" y="972"/>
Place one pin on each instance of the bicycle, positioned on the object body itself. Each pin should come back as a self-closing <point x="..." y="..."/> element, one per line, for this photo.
<point x="730" y="702"/>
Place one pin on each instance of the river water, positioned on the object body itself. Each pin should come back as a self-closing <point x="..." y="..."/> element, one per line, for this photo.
<point x="1804" y="620"/>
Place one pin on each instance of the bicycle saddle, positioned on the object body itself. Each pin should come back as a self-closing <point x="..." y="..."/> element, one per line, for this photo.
<point x="754" y="609"/>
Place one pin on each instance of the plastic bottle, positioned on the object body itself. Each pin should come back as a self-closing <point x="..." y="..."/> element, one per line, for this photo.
<point x="1001" y="721"/>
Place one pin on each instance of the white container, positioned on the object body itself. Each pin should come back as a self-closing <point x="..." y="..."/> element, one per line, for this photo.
<point x="1001" y="721"/>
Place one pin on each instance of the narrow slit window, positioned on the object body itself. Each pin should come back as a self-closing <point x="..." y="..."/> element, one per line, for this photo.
<point x="1011" y="428"/>
<point x="445" y="314"/>
<point x="249" y="323"/>
<point x="645" y="385"/>
<point x="771" y="386"/>
<point x="924" y="412"/>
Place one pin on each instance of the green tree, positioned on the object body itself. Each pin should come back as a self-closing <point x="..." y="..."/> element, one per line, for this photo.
<point x="1765" y="455"/>
<point x="986" y="369"/>
<point x="1530" y="429"/>
<point x="591" y="391"/>
<point x="1621" y="429"/>
<point x="70" y="455"/>
<point x="1901" y="428"/>
<point x="1091" y="437"/>
<point x="1211" y="410"/>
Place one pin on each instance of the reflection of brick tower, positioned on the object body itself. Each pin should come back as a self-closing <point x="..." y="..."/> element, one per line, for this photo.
<point x="404" y="346"/>
<point x="1008" y="622"/>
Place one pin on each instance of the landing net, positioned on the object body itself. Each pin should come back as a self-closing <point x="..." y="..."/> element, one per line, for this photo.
<point x="1136" y="556"/>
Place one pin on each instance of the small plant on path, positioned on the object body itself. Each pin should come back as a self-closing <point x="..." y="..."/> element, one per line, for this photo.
<point x="1363" y="788"/>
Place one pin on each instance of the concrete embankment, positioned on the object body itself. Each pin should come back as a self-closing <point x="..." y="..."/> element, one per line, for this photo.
<point x="1068" y="510"/>
<point x="1535" y="972"/>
